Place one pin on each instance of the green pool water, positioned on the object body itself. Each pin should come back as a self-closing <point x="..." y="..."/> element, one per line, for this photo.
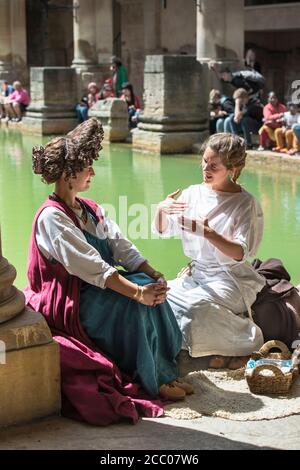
<point x="129" y="183"/>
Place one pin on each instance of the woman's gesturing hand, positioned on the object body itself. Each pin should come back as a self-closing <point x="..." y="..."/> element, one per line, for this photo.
<point x="171" y="206"/>
<point x="153" y="294"/>
<point x="195" y="226"/>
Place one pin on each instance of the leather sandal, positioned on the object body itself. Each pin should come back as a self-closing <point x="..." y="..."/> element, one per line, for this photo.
<point x="238" y="362"/>
<point x="219" y="362"/>
<point x="171" y="392"/>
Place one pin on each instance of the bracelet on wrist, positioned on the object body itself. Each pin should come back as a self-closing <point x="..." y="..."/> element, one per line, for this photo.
<point x="156" y="275"/>
<point x="139" y="293"/>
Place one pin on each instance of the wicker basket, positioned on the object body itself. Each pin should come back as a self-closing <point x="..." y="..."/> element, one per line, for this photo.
<point x="277" y="382"/>
<point x="264" y="352"/>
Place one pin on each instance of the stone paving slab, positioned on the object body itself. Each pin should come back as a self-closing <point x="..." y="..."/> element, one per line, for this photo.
<point x="154" y="434"/>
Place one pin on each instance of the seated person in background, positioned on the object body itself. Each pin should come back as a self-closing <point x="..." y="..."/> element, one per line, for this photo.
<point x="241" y="122"/>
<point x="296" y="131"/>
<point x="107" y="90"/>
<point x="5" y="91"/>
<point x="273" y="118"/>
<point x="250" y="80"/>
<point x="286" y="141"/>
<point x="86" y="102"/>
<point x="133" y="104"/>
<point x="16" y="103"/>
<point x="220" y="106"/>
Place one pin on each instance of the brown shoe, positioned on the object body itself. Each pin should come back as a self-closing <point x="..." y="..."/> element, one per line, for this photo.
<point x="238" y="362"/>
<point x="219" y="362"/>
<point x="188" y="388"/>
<point x="171" y="392"/>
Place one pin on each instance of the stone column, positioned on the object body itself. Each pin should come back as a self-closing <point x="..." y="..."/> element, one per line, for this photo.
<point x="19" y="40"/>
<point x="5" y="40"/>
<point x="84" y="30"/>
<point x="93" y="40"/>
<point x="220" y="37"/>
<point x="29" y="358"/>
<point x="53" y="99"/>
<point x="12" y="301"/>
<point x="13" y="55"/>
<point x="104" y="31"/>
<point x="175" y="112"/>
<point x="220" y="30"/>
<point x="113" y="114"/>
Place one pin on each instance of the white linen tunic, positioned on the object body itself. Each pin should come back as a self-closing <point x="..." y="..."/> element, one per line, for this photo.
<point x="212" y="305"/>
<point x="57" y="237"/>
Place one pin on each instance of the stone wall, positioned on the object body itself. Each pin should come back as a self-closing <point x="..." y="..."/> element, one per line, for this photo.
<point x="150" y="28"/>
<point x="272" y="17"/>
<point x="178" y="27"/>
<point x="133" y="54"/>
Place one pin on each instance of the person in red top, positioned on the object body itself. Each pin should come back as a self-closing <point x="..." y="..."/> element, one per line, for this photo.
<point x="273" y="118"/>
<point x="133" y="103"/>
<point x="87" y="101"/>
<point x="107" y="90"/>
<point x="16" y="103"/>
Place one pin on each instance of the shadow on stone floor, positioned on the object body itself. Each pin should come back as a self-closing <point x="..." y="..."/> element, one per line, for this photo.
<point x="61" y="433"/>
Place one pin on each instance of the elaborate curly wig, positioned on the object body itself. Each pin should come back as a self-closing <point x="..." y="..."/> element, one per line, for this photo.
<point x="70" y="154"/>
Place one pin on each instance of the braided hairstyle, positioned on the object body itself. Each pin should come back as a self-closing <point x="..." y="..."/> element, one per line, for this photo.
<point x="70" y="154"/>
<point x="231" y="149"/>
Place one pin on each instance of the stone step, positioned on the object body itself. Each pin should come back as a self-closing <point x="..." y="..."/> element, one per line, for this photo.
<point x="27" y="329"/>
<point x="30" y="384"/>
<point x="29" y="369"/>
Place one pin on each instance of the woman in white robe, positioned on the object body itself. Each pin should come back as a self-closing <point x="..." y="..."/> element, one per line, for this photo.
<point x="220" y="225"/>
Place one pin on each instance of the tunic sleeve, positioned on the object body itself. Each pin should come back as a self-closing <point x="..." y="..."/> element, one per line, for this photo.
<point x="249" y="225"/>
<point x="58" y="238"/>
<point x="123" y="251"/>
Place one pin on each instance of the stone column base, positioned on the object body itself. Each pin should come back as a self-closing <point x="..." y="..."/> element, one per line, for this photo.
<point x="29" y="370"/>
<point x="113" y="115"/>
<point x="53" y="101"/>
<point x="44" y="126"/>
<point x="166" y="142"/>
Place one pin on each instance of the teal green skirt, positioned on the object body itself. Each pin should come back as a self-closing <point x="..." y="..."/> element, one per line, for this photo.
<point x="143" y="341"/>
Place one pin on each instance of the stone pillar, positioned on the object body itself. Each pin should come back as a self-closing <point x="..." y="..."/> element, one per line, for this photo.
<point x="29" y="358"/>
<point x="53" y="99"/>
<point x="175" y="113"/>
<point x="220" y="30"/>
<point x="104" y="31"/>
<point x="220" y="37"/>
<point x="5" y="41"/>
<point x="84" y="30"/>
<point x="93" y="40"/>
<point x="19" y="40"/>
<point x="13" y="55"/>
<point x="113" y="114"/>
<point x="12" y="301"/>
